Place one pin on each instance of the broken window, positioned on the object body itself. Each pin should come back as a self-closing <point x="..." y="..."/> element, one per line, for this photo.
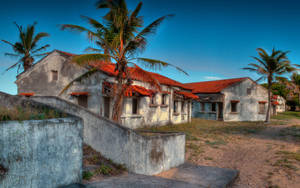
<point x="152" y="99"/>
<point x="175" y="106"/>
<point x="234" y="106"/>
<point x="164" y="99"/>
<point x="248" y="91"/>
<point x="83" y="100"/>
<point x="262" y="108"/>
<point x="134" y="105"/>
<point x="54" y="75"/>
<point x="213" y="107"/>
<point x="182" y="107"/>
<point x="202" y="106"/>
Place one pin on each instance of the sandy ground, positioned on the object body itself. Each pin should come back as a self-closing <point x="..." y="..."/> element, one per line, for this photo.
<point x="256" y="157"/>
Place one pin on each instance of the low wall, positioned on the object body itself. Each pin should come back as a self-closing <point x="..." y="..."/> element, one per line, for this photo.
<point x="139" y="153"/>
<point x="40" y="153"/>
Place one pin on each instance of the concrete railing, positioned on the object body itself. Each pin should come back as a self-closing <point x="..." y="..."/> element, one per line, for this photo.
<point x="139" y="153"/>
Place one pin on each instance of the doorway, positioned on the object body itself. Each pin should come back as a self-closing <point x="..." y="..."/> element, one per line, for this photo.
<point x="220" y="111"/>
<point x="106" y="106"/>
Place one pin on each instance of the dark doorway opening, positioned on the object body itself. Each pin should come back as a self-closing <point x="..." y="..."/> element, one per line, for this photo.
<point x="220" y="111"/>
<point x="83" y="100"/>
<point x="106" y="106"/>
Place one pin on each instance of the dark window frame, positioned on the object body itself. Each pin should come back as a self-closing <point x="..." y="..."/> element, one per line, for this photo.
<point x="54" y="75"/>
<point x="135" y="106"/>
<point x="234" y="107"/>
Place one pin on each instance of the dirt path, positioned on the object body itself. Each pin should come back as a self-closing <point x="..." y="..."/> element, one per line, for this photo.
<point x="263" y="159"/>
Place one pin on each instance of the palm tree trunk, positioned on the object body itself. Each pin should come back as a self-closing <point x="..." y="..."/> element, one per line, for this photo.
<point x="118" y="101"/>
<point x="269" y="100"/>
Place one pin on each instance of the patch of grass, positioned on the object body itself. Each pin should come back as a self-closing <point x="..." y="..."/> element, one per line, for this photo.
<point x="87" y="175"/>
<point x="215" y="143"/>
<point x="28" y="113"/>
<point x="293" y="131"/>
<point x="104" y="170"/>
<point x="200" y="128"/>
<point x="287" y="115"/>
<point x="290" y="155"/>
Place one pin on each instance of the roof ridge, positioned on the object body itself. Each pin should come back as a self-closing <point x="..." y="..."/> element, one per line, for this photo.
<point x="218" y="80"/>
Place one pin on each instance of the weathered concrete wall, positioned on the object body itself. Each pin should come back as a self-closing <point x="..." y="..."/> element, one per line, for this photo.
<point x="248" y="106"/>
<point x="140" y="154"/>
<point x="41" y="153"/>
<point x="38" y="79"/>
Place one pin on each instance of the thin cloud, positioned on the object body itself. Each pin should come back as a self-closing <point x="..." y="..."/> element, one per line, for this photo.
<point x="212" y="78"/>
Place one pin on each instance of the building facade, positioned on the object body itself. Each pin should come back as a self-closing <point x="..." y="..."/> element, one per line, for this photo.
<point x="143" y="105"/>
<point x="278" y="104"/>
<point x="239" y="99"/>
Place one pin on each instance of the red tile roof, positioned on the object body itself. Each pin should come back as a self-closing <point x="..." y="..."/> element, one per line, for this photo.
<point x="187" y="95"/>
<point x="215" y="86"/>
<point x="109" y="68"/>
<point x="275" y="103"/>
<point x="26" y="94"/>
<point x="130" y="90"/>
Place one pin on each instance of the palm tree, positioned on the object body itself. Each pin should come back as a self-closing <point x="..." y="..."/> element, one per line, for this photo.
<point x="121" y="39"/>
<point x="26" y="48"/>
<point x="269" y="67"/>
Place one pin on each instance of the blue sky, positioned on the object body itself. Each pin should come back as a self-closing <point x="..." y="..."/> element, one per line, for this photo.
<point x="209" y="39"/>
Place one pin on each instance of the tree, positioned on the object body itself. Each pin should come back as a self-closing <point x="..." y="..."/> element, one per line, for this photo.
<point x="269" y="67"/>
<point x="122" y="39"/>
<point x="26" y="48"/>
<point x="278" y="88"/>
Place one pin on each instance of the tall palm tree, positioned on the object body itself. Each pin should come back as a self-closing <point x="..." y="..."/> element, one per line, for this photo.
<point x="269" y="66"/>
<point x="26" y="48"/>
<point x="121" y="38"/>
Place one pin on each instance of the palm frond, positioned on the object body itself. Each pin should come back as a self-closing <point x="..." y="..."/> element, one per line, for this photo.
<point x="158" y="64"/>
<point x="41" y="48"/>
<point x="89" y="58"/>
<point x="90" y="34"/>
<point x="8" y="43"/>
<point x="91" y="49"/>
<point x="78" y="79"/>
<point x="13" y="66"/>
<point x="12" y="55"/>
<point x="38" y="37"/>
<point x="94" y="23"/>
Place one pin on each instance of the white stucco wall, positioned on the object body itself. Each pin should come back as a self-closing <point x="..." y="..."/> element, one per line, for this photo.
<point x="248" y="106"/>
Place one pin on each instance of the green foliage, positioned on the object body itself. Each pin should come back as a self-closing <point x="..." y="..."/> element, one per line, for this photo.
<point x="27" y="113"/>
<point x="26" y="48"/>
<point x="87" y="175"/>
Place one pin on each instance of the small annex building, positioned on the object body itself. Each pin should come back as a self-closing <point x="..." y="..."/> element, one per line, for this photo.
<point x="142" y="105"/>
<point x="238" y="99"/>
<point x="278" y="104"/>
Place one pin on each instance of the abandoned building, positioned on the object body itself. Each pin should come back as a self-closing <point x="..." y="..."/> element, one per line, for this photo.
<point x="278" y="104"/>
<point x="239" y="99"/>
<point x="142" y="104"/>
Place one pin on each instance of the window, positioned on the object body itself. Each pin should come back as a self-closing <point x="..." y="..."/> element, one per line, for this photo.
<point x="262" y="108"/>
<point x="135" y="105"/>
<point x="164" y="99"/>
<point x="175" y="106"/>
<point x="234" y="106"/>
<point x="54" y="75"/>
<point x="83" y="100"/>
<point x="248" y="91"/>
<point x="202" y="107"/>
<point x="182" y="107"/>
<point x="152" y="99"/>
<point x="213" y="107"/>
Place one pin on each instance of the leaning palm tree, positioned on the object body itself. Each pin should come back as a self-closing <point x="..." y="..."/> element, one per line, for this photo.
<point x="269" y="67"/>
<point x="26" y="48"/>
<point x="121" y="38"/>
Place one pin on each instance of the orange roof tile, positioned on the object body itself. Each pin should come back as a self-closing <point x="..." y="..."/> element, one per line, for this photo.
<point x="26" y="94"/>
<point x="215" y="86"/>
<point x="187" y="94"/>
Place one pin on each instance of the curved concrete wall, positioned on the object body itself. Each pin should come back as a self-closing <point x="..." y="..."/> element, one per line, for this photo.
<point x="140" y="154"/>
<point x="40" y="153"/>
